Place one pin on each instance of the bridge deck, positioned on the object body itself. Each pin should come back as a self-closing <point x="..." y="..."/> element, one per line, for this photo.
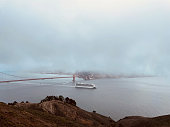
<point x="31" y="79"/>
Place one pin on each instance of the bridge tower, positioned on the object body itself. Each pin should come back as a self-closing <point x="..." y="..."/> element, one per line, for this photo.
<point x="74" y="78"/>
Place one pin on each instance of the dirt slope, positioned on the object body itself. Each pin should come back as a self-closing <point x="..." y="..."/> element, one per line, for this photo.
<point x="138" y="121"/>
<point x="53" y="113"/>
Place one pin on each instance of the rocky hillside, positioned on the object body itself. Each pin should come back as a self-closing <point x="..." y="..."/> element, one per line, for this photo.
<point x="50" y="113"/>
<point x="63" y="112"/>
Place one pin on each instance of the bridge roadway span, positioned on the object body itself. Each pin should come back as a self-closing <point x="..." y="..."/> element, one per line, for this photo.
<point x="31" y="79"/>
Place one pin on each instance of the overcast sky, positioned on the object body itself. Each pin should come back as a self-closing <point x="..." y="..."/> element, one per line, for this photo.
<point x="117" y="36"/>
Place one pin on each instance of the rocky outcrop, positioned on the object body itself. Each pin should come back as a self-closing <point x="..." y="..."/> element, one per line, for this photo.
<point x="65" y="109"/>
<point x="74" y="113"/>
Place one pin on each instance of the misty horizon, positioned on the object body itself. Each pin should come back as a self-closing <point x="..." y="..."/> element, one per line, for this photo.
<point x="120" y="37"/>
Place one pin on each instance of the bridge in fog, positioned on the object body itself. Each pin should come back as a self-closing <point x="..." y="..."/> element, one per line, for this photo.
<point x="6" y="78"/>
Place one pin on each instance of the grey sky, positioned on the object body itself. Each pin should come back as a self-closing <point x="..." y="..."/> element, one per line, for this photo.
<point x="118" y="36"/>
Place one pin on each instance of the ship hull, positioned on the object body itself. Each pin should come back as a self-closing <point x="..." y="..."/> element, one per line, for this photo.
<point x="86" y="86"/>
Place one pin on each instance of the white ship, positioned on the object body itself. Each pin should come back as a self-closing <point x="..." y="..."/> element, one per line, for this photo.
<point x="85" y="85"/>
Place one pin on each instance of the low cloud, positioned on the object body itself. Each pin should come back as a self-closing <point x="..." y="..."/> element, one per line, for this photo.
<point x="129" y="37"/>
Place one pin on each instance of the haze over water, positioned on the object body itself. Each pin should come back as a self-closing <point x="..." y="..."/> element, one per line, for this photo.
<point x="116" y="98"/>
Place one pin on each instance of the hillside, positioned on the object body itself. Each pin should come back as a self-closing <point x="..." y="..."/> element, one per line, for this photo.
<point x="53" y="113"/>
<point x="138" y="121"/>
<point x="63" y="112"/>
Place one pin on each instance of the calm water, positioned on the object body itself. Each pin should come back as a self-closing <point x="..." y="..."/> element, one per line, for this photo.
<point x="116" y="98"/>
